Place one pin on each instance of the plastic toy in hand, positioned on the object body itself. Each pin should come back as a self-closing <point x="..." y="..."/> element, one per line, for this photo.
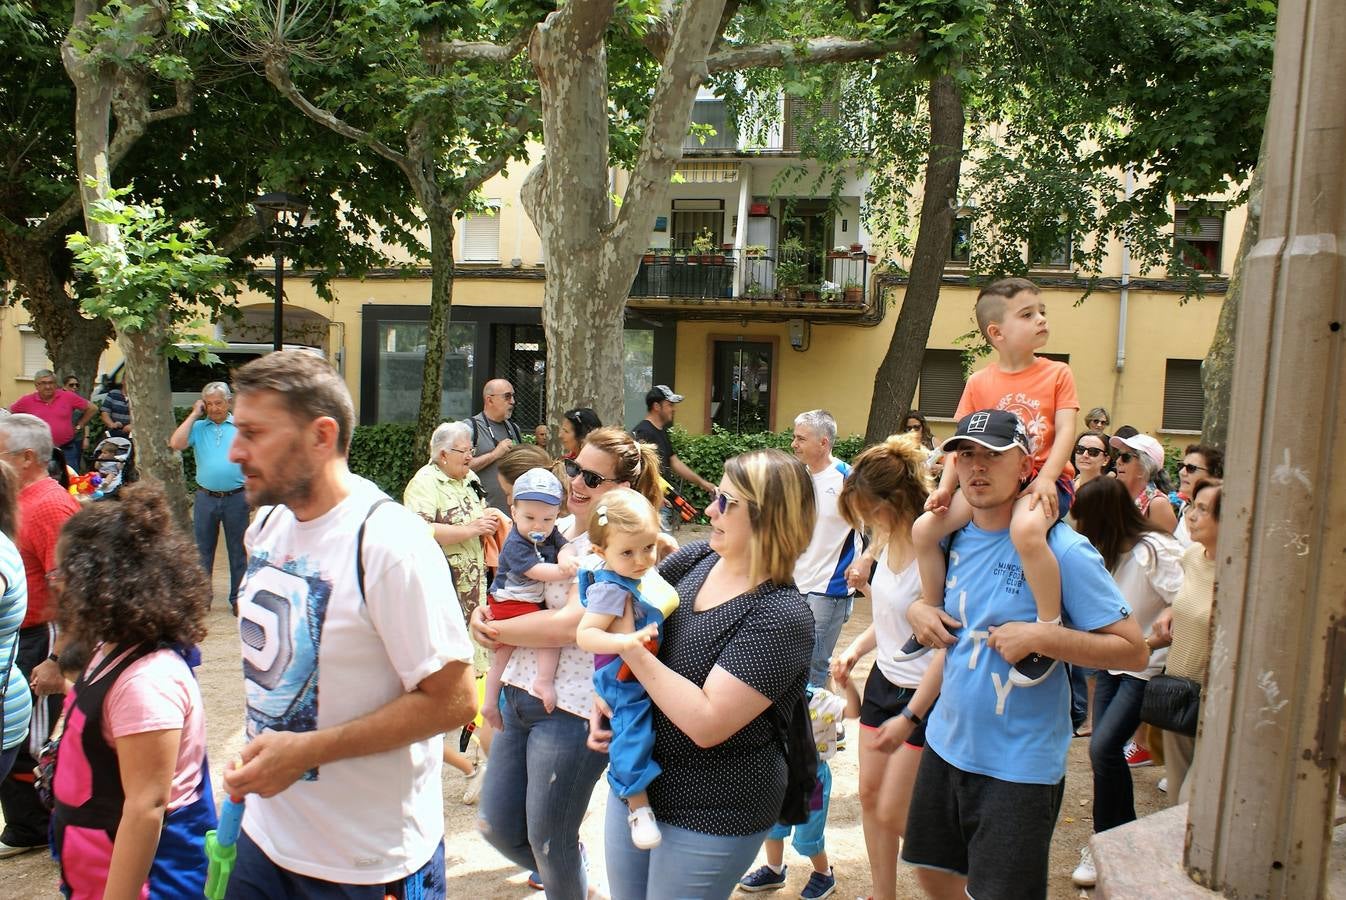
<point x="826" y="709"/>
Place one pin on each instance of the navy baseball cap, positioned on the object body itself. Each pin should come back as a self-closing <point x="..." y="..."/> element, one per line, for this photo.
<point x="994" y="429"/>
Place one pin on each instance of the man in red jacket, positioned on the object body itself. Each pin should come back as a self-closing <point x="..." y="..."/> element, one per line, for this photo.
<point x="44" y="506"/>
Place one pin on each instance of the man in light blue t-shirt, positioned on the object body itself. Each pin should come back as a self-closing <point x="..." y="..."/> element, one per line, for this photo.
<point x="219" y="503"/>
<point x="990" y="782"/>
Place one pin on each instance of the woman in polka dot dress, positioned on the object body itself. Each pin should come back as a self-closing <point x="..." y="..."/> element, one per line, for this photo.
<point x="738" y="643"/>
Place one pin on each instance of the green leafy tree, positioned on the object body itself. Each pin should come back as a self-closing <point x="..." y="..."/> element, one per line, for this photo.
<point x="422" y="86"/>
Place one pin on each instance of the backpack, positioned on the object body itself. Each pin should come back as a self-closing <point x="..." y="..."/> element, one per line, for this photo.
<point x="510" y="428"/>
<point x="359" y="540"/>
<point x="795" y="730"/>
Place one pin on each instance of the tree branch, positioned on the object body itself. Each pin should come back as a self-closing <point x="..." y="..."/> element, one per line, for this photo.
<point x="828" y="49"/>
<point x="437" y="52"/>
<point x="522" y="120"/>
<point x="278" y="73"/>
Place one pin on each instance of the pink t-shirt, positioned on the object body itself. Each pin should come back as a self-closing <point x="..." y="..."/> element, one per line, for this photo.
<point x="57" y="414"/>
<point x="157" y="693"/>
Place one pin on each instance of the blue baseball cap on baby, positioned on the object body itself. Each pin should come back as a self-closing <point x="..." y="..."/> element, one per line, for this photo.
<point x="538" y="484"/>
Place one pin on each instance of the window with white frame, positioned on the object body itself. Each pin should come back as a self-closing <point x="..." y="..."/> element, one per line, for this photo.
<point x="34" y="351"/>
<point x="481" y="234"/>
<point x="1184" y="397"/>
<point x="942" y="382"/>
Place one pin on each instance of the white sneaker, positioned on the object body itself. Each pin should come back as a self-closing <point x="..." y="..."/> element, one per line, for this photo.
<point x="473" y="789"/>
<point x="1163" y="785"/>
<point x="644" y="829"/>
<point x="1085" y="875"/>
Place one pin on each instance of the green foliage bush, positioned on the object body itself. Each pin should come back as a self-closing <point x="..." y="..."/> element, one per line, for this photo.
<point x="386" y="455"/>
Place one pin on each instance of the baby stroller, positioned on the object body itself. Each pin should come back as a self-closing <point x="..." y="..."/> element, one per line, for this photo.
<point x="114" y="462"/>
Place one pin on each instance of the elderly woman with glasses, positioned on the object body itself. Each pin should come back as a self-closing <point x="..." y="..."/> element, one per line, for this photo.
<point x="542" y="771"/>
<point x="1097" y="419"/>
<point x="1139" y="457"/>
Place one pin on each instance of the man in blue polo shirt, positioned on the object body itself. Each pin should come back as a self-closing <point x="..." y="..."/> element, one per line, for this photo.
<point x="209" y="430"/>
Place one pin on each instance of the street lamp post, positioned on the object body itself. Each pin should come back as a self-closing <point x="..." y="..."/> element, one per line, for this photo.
<point x="280" y="215"/>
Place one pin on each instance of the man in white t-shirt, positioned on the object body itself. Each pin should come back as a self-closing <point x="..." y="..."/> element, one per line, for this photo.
<point x="355" y="657"/>
<point x="820" y="573"/>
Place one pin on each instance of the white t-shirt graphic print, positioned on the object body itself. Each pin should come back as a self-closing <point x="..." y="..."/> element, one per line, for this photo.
<point x="316" y="655"/>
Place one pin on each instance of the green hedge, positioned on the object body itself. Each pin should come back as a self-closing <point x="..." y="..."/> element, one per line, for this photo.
<point x="383" y="453"/>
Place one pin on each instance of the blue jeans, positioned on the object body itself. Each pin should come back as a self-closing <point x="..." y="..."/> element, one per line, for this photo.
<point x="256" y="877"/>
<point x="7" y="758"/>
<point x="808" y="838"/>
<point x="1079" y="695"/>
<point x="829" y="614"/>
<point x="537" y="788"/>
<point x="687" y="865"/>
<point x="208" y="514"/>
<point x="1116" y="717"/>
<point x="73" y="453"/>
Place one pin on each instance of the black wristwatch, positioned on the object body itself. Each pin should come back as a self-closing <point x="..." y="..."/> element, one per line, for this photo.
<point x="54" y="657"/>
<point x="915" y="719"/>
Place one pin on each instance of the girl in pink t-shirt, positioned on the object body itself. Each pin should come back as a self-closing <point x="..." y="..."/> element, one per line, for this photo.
<point x="131" y="789"/>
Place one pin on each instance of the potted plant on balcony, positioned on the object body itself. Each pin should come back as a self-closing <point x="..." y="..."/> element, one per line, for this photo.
<point x="857" y="248"/>
<point x="754" y="251"/>
<point x="840" y="251"/>
<point x="808" y="293"/>
<point x="702" y="245"/>
<point x="791" y="270"/>
<point x="829" y="291"/>
<point x="854" y="292"/>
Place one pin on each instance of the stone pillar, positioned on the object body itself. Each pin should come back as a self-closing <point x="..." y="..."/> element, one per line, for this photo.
<point x="1267" y="754"/>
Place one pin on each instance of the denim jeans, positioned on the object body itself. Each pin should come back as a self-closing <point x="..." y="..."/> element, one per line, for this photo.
<point x="7" y="758"/>
<point x="208" y="514"/>
<point x="1116" y="717"/>
<point x="687" y="865"/>
<point x="829" y="614"/>
<point x="74" y="454"/>
<point x="1079" y="695"/>
<point x="537" y="789"/>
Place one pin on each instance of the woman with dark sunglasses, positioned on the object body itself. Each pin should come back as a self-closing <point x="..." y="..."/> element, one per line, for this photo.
<point x="575" y="426"/>
<point x="537" y="827"/>
<point x="1091" y="457"/>
<point x="1198" y="461"/>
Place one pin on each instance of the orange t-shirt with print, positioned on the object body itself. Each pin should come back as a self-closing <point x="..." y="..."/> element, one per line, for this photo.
<point x="1034" y="395"/>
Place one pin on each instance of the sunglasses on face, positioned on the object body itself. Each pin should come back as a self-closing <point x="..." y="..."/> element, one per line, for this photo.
<point x="591" y="478"/>
<point x="1098" y="423"/>
<point x="1089" y="451"/>
<point x="1126" y="457"/>
<point x="509" y="396"/>
<point x="1192" y="468"/>
<point x="723" y="500"/>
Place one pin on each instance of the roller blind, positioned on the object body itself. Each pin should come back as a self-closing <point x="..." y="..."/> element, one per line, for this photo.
<point x="1184" y="398"/>
<point x="481" y="236"/>
<point x="942" y="382"/>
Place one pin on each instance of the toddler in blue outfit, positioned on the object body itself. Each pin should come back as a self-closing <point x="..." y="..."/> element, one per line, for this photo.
<point x="625" y="601"/>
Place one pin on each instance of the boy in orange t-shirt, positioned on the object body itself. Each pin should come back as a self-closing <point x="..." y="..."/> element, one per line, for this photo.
<point x="1041" y="392"/>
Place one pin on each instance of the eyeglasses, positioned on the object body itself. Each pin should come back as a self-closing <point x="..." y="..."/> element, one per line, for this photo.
<point x="591" y="478"/>
<point x="1089" y="451"/>
<point x="1126" y="457"/>
<point x="1192" y="468"/>
<point x="70" y="384"/>
<point x="467" y="452"/>
<point x="1098" y="423"/>
<point x="509" y="396"/>
<point x="723" y="500"/>
<point x="915" y="426"/>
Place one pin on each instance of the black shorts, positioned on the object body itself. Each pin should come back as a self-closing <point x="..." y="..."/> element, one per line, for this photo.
<point x="996" y="833"/>
<point x="883" y="700"/>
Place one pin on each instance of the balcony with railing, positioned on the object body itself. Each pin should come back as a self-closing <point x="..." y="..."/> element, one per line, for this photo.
<point x="787" y="278"/>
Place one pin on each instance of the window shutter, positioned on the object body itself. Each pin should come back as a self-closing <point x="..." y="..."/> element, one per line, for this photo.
<point x="34" y="353"/>
<point x="941" y="385"/>
<point x="799" y="118"/>
<point x="481" y="237"/>
<point x="1184" y="399"/>
<point x="1208" y="228"/>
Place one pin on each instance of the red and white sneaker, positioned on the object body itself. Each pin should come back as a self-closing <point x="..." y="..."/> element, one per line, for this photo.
<point x="1136" y="755"/>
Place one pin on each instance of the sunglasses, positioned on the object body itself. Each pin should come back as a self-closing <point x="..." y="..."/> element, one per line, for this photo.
<point x="509" y="396"/>
<point x="1192" y="468"/>
<point x="1126" y="457"/>
<point x="723" y="500"/>
<point x="591" y="478"/>
<point x="1089" y="451"/>
<point x="1100" y="423"/>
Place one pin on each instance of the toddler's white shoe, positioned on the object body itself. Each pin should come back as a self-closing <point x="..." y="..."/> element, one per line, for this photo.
<point x="644" y="829"/>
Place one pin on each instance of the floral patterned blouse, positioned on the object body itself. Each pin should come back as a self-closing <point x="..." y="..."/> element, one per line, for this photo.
<point x="442" y="500"/>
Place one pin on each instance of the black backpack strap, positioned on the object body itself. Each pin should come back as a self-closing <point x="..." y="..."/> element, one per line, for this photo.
<point x="360" y="546"/>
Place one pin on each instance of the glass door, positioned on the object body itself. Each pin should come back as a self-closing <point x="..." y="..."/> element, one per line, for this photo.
<point x="741" y="392"/>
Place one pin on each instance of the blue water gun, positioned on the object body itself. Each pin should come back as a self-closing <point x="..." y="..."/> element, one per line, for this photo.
<point x="221" y="850"/>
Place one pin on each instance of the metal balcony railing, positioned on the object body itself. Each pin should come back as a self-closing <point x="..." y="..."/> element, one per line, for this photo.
<point x="802" y="277"/>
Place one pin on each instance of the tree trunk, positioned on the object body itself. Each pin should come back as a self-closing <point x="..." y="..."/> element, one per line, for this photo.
<point x="895" y="381"/>
<point x="74" y="343"/>
<point x="1217" y="371"/>
<point x="151" y="398"/>
<point x="440" y="217"/>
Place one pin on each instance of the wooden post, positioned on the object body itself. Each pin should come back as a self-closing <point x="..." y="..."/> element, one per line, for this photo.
<point x="1267" y="755"/>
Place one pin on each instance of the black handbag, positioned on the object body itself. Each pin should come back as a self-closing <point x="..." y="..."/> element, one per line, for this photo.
<point x="1173" y="703"/>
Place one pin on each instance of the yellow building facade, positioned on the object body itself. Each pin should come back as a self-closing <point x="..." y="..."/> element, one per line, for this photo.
<point x="712" y="316"/>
